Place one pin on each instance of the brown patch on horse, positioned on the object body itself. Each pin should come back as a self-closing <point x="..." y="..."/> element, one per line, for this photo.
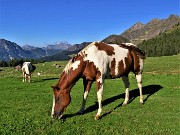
<point x="136" y="66"/>
<point x="128" y="64"/>
<point x="90" y="71"/>
<point x="121" y="68"/>
<point x="98" y="83"/>
<point x="112" y="68"/>
<point x="23" y="70"/>
<point x="104" y="47"/>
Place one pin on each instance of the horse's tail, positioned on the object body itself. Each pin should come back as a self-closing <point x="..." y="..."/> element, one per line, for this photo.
<point x="140" y="53"/>
<point x="33" y="67"/>
<point x="134" y="49"/>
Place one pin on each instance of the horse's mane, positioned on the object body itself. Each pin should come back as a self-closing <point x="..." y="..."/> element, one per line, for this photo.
<point x="134" y="48"/>
<point x="86" y="48"/>
<point x="73" y="59"/>
<point x="68" y="66"/>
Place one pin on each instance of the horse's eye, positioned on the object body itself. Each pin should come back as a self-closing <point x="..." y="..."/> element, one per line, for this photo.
<point x="57" y="99"/>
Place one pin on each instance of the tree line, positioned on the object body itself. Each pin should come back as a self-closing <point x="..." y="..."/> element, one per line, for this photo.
<point x="165" y="44"/>
<point x="16" y="62"/>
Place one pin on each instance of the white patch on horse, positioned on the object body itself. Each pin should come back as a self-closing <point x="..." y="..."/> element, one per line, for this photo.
<point x="68" y="66"/>
<point x="75" y="64"/>
<point x="99" y="96"/>
<point x="26" y="67"/>
<point x="71" y="65"/>
<point x="141" y="63"/>
<point x="129" y="44"/>
<point x="85" y="94"/>
<point x="99" y="58"/>
<point x="52" y="112"/>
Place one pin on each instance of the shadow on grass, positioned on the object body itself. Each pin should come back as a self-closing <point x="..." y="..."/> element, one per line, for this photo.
<point x="46" y="79"/>
<point x="42" y="80"/>
<point x="147" y="90"/>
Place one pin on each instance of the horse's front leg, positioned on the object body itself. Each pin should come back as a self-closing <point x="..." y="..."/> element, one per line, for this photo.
<point x="87" y="86"/>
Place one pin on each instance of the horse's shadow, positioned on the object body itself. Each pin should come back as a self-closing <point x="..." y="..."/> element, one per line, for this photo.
<point x="147" y="90"/>
<point x="42" y="80"/>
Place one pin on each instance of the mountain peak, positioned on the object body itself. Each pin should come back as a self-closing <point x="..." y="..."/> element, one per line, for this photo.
<point x="57" y="46"/>
<point x="28" y="47"/>
<point x="173" y="17"/>
<point x="137" y="26"/>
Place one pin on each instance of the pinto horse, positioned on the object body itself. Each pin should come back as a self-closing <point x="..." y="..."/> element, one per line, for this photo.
<point x="94" y="63"/>
<point x="27" y="69"/>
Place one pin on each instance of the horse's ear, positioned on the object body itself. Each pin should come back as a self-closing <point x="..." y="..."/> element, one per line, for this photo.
<point x="52" y="87"/>
<point x="55" y="88"/>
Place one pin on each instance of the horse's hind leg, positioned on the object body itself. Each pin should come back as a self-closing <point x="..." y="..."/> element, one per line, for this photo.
<point x="139" y="83"/>
<point x="127" y="84"/>
<point x="29" y="78"/>
<point x="23" y="77"/>
<point x="87" y="86"/>
<point x="99" y="85"/>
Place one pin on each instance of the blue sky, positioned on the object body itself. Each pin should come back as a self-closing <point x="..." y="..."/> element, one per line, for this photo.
<point x="40" y="22"/>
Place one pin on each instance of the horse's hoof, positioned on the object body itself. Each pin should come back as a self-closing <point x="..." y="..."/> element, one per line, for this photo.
<point x="97" y="117"/>
<point x="141" y="103"/>
<point x="124" y="104"/>
<point x="79" y="112"/>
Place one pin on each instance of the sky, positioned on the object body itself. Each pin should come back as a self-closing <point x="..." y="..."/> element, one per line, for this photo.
<point x="41" y="22"/>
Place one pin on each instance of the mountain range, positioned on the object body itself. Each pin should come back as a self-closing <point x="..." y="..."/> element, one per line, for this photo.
<point x="63" y="50"/>
<point x="139" y="32"/>
<point x="10" y="50"/>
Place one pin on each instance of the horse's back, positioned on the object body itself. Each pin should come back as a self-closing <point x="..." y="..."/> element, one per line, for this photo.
<point x="114" y="59"/>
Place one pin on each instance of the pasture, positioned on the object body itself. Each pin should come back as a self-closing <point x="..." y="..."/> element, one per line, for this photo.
<point x="25" y="107"/>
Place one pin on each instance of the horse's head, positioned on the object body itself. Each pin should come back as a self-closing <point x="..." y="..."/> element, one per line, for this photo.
<point x="61" y="100"/>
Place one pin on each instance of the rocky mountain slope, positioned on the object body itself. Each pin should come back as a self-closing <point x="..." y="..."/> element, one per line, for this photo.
<point x="66" y="54"/>
<point x="115" y="39"/>
<point x="10" y="50"/>
<point x="139" y="32"/>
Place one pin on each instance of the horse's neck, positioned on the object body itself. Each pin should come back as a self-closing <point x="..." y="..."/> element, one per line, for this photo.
<point x="68" y="80"/>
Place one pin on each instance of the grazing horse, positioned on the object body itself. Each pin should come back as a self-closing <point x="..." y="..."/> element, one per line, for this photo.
<point x="27" y="69"/>
<point x="96" y="62"/>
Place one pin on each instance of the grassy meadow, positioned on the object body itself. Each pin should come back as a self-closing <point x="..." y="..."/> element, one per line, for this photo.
<point x="25" y="107"/>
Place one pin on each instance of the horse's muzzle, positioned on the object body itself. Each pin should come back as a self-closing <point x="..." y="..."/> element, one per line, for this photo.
<point x="57" y="115"/>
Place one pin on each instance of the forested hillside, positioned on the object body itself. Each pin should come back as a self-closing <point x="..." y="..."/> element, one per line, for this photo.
<point x="165" y="44"/>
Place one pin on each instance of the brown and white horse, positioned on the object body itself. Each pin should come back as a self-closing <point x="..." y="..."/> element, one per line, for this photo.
<point x="27" y="69"/>
<point x="94" y="63"/>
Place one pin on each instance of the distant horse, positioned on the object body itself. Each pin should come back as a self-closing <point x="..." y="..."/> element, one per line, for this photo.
<point x="27" y="69"/>
<point x="96" y="62"/>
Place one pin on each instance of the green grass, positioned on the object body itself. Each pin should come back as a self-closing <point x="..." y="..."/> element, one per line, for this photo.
<point x="26" y="107"/>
